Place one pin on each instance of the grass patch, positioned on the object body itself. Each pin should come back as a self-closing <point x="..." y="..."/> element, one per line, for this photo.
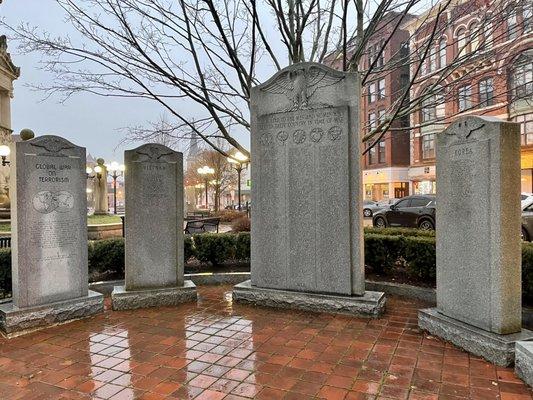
<point x="91" y="220"/>
<point x="103" y="219"/>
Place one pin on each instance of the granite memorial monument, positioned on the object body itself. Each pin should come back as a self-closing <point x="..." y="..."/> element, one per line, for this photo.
<point x="478" y="239"/>
<point x="153" y="230"/>
<point x="524" y="361"/>
<point x="307" y="234"/>
<point x="49" y="236"/>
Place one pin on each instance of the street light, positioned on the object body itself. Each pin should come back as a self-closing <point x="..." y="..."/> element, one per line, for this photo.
<point x="239" y="161"/>
<point x="115" y="170"/>
<point x="205" y="171"/>
<point x="4" y="152"/>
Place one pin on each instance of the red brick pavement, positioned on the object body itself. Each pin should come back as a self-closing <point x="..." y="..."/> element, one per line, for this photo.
<point x="217" y="350"/>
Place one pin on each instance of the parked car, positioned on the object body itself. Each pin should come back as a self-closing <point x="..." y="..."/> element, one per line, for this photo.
<point x="525" y="196"/>
<point x="527" y="219"/>
<point x="386" y="202"/>
<point x="416" y="211"/>
<point x="369" y="207"/>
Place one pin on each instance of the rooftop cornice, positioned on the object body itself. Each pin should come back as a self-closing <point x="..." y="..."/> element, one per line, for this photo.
<point x="5" y="58"/>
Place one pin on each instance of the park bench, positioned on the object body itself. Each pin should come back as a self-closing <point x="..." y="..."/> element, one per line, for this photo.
<point x="5" y="242"/>
<point x="202" y="225"/>
<point x="196" y="215"/>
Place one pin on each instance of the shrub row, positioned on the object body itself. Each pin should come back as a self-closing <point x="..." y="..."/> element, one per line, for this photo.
<point x="414" y="258"/>
<point x="217" y="248"/>
<point x="390" y="252"/>
<point x="229" y="215"/>
<point x="399" y="231"/>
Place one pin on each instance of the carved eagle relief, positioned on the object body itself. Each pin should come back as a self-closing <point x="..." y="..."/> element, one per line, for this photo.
<point x="300" y="84"/>
<point x="153" y="152"/>
<point x="463" y="129"/>
<point x="52" y="144"/>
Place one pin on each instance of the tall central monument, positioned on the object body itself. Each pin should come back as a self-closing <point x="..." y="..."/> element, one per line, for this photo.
<point x="307" y="231"/>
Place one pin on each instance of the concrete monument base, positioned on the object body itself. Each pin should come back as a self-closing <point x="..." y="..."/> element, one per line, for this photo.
<point x="16" y="321"/>
<point x="371" y="304"/>
<point x="498" y="349"/>
<point x="123" y="299"/>
<point x="524" y="362"/>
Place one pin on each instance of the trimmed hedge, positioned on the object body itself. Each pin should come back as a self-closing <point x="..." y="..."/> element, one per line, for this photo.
<point x="214" y="247"/>
<point x="399" y="231"/>
<point x="242" y="246"/>
<point x="420" y="258"/>
<point x="527" y="272"/>
<point x="391" y="252"/>
<point x="382" y="251"/>
<point x="5" y="272"/>
<point x="188" y="248"/>
<point x="106" y="255"/>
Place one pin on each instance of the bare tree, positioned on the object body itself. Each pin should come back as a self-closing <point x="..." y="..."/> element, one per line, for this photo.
<point x="161" y="131"/>
<point x="199" y="58"/>
<point x="222" y="178"/>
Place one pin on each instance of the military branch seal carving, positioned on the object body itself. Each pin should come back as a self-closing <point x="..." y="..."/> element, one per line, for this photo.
<point x="300" y="84"/>
<point x="266" y="139"/>
<point x="334" y="133"/>
<point x="316" y="134"/>
<point x="283" y="136"/>
<point x="52" y="144"/>
<point x="46" y="202"/>
<point x="299" y="136"/>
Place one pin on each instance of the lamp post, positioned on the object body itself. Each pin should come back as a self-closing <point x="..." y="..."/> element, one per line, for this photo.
<point x="97" y="172"/>
<point x="239" y="162"/>
<point x="5" y="151"/>
<point x="205" y="171"/>
<point x="115" y="170"/>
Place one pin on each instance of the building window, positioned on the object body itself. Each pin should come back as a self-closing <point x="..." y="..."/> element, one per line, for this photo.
<point x="381" y="151"/>
<point x="486" y="92"/>
<point x="474" y="37"/>
<point x="465" y="97"/>
<point x="404" y="82"/>
<point x="432" y="61"/>
<point x="381" y="116"/>
<point x="380" y="54"/>
<point x="527" y="16"/>
<point x="526" y="128"/>
<point x="487" y="36"/>
<point x="440" y="105"/>
<point x="381" y="89"/>
<point x="371" y="121"/>
<point x="522" y="78"/>
<point x="428" y="109"/>
<point x="461" y="42"/>
<point x="372" y="93"/>
<point x="371" y="154"/>
<point x="424" y="69"/>
<point x="442" y="53"/>
<point x="512" y="23"/>
<point x="375" y="53"/>
<point x="428" y="146"/>
<point x="432" y="106"/>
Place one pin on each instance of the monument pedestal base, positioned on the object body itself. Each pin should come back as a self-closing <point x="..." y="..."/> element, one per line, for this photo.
<point x="498" y="349"/>
<point x="524" y="361"/>
<point x="123" y="299"/>
<point x="16" y="321"/>
<point x="371" y="304"/>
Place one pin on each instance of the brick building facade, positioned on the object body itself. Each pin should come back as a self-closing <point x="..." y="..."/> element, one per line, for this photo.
<point x="497" y="39"/>
<point x="386" y="164"/>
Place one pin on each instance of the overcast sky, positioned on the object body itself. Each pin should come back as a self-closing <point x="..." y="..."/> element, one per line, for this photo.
<point x="86" y="120"/>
